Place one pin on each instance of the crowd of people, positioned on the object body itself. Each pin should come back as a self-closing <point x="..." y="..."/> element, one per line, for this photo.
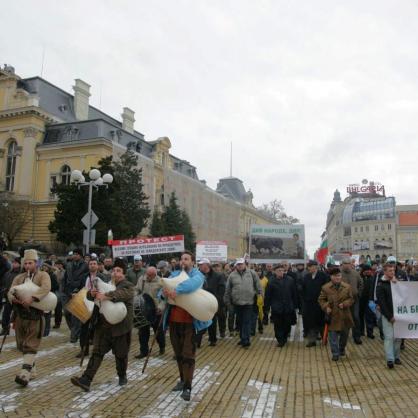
<point x="338" y="298"/>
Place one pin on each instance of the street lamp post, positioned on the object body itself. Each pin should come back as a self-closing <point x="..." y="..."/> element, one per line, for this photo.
<point x="95" y="181"/>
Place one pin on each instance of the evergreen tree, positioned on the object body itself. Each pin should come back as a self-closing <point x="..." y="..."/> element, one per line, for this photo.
<point x="122" y="207"/>
<point x="157" y="227"/>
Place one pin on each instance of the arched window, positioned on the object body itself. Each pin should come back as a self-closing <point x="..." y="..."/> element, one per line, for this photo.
<point x="65" y="175"/>
<point x="11" y="166"/>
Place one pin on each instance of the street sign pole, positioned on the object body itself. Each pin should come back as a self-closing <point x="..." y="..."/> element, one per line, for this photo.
<point x="89" y="217"/>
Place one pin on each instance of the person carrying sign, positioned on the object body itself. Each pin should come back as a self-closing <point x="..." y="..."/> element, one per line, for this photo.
<point x="392" y="345"/>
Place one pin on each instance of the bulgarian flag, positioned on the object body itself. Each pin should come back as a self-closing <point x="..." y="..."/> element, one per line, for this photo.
<point x="321" y="254"/>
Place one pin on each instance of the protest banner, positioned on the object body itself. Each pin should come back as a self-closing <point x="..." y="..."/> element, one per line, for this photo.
<point x="275" y="243"/>
<point x="148" y="246"/>
<point x="405" y="309"/>
<point x="213" y="250"/>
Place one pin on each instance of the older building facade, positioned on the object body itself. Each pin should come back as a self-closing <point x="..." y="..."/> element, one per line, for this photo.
<point x="45" y="133"/>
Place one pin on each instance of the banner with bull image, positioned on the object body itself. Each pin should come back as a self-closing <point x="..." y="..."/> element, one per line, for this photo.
<point x="276" y="243"/>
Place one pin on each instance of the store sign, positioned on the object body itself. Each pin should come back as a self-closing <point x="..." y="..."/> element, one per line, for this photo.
<point x="366" y="189"/>
<point x="148" y="246"/>
<point x="213" y="250"/>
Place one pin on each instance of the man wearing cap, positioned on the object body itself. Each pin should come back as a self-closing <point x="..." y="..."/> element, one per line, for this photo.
<point x="215" y="284"/>
<point x="72" y="282"/>
<point x="281" y="296"/>
<point x="353" y="278"/>
<point x="108" y="337"/>
<point x="313" y="317"/>
<point x="5" y="284"/>
<point x="29" y="322"/>
<point x="242" y="289"/>
<point x="136" y="271"/>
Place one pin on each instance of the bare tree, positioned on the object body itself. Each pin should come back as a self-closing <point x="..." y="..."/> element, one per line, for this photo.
<point x="276" y="211"/>
<point x="14" y="215"/>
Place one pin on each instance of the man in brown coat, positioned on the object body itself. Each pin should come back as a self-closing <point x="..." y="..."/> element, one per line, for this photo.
<point x="29" y="322"/>
<point x="335" y="300"/>
<point x="108" y="337"/>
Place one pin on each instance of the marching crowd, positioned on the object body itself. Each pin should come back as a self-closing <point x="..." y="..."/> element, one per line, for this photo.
<point x="333" y="298"/>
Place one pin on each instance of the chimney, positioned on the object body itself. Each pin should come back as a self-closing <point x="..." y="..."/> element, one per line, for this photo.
<point x="81" y="99"/>
<point x="128" y="120"/>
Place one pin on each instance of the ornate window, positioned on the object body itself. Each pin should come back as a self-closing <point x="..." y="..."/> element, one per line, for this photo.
<point x="11" y="166"/>
<point x="65" y="175"/>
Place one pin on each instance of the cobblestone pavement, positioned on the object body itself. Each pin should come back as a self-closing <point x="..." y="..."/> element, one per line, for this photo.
<point x="263" y="381"/>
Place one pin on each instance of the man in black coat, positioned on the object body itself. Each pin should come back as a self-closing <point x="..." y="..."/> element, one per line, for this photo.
<point x="281" y="296"/>
<point x="313" y="316"/>
<point x="73" y="280"/>
<point x="215" y="284"/>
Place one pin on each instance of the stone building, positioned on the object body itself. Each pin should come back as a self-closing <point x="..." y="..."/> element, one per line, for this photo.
<point x="45" y="133"/>
<point x="407" y="231"/>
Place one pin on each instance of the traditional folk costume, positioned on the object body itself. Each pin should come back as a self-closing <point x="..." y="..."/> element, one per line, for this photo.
<point x="183" y="328"/>
<point x="29" y="322"/>
<point x="111" y="337"/>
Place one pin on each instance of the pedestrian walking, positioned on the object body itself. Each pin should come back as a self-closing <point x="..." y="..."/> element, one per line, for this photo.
<point x="335" y="300"/>
<point x="108" y="337"/>
<point x="242" y="289"/>
<point x="281" y="296"/>
<point x="313" y="316"/>
<point x="29" y="322"/>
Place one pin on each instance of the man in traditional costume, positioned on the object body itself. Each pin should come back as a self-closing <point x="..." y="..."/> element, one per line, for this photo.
<point x="183" y="327"/>
<point x="29" y="322"/>
<point x="108" y="337"/>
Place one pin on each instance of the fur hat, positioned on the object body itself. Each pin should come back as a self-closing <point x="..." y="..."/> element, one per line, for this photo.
<point x="119" y="262"/>
<point x="30" y="255"/>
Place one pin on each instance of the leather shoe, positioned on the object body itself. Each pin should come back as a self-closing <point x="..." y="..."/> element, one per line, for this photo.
<point x="186" y="394"/>
<point x="123" y="380"/>
<point x="81" y="382"/>
<point x="398" y="361"/>
<point x="311" y="344"/>
<point x="390" y="364"/>
<point x="335" y="358"/>
<point x="140" y="356"/>
<point x="358" y="341"/>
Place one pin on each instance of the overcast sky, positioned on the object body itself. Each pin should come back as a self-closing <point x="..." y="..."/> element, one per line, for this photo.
<point x="314" y="95"/>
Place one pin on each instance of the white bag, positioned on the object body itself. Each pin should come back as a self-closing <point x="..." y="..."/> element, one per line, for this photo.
<point x="28" y="289"/>
<point x="200" y="304"/>
<point x="114" y="312"/>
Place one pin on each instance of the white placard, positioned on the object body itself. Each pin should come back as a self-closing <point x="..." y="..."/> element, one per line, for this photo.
<point x="213" y="250"/>
<point x="405" y="309"/>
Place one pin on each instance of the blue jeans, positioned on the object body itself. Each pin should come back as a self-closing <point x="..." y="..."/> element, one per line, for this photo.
<point x="391" y="344"/>
<point x="244" y="316"/>
<point x="338" y="341"/>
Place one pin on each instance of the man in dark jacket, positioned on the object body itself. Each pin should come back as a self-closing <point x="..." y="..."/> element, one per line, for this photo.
<point x="5" y="283"/>
<point x="313" y="316"/>
<point x="392" y="345"/>
<point x="367" y="316"/>
<point x="215" y="284"/>
<point x="72" y="282"/>
<point x="281" y="296"/>
<point x="111" y="337"/>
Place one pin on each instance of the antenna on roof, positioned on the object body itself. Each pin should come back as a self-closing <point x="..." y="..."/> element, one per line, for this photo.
<point x="100" y="95"/>
<point x="230" y="163"/>
<point x="43" y="59"/>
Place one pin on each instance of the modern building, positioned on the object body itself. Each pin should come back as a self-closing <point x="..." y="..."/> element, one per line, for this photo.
<point x="370" y="224"/>
<point x="46" y="132"/>
<point x="363" y="223"/>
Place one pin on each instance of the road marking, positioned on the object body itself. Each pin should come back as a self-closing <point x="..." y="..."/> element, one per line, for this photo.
<point x="338" y="404"/>
<point x="259" y="399"/>
<point x="169" y="404"/>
